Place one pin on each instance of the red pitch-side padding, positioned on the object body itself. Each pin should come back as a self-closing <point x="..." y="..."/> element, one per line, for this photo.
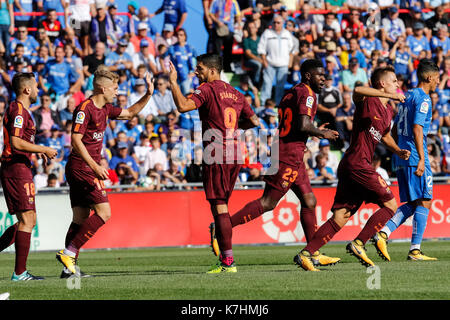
<point x="152" y="219"/>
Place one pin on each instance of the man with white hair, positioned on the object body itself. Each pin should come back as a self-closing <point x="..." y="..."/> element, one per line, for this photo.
<point x="275" y="48"/>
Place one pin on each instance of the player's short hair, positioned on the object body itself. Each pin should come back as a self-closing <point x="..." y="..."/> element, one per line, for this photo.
<point x="211" y="61"/>
<point x="20" y="80"/>
<point x="425" y="67"/>
<point x="309" y="65"/>
<point x="380" y="73"/>
<point x="103" y="73"/>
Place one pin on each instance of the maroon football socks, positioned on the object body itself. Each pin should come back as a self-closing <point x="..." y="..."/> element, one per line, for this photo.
<point x="71" y="233"/>
<point x="325" y="233"/>
<point x="86" y="231"/>
<point x="309" y="222"/>
<point x="224" y="233"/>
<point x="22" y="246"/>
<point x="8" y="237"/>
<point x="375" y="223"/>
<point x="251" y="211"/>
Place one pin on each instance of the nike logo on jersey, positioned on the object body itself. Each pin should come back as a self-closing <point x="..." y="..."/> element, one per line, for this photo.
<point x="376" y="118"/>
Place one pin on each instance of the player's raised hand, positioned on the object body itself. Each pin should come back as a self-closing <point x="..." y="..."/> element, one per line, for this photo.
<point x="149" y="81"/>
<point x="101" y="172"/>
<point x="404" y="154"/>
<point x="330" y="134"/>
<point x="172" y="73"/>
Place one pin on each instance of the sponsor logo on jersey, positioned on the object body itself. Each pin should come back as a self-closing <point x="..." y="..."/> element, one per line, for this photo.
<point x="375" y="133"/>
<point x="424" y="107"/>
<point x="18" y="122"/>
<point x="80" y="117"/>
<point x="97" y="136"/>
<point x="309" y="102"/>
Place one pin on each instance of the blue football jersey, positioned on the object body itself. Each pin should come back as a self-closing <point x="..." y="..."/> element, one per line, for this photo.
<point x="415" y="110"/>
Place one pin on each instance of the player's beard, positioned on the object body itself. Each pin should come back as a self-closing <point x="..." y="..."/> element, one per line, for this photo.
<point x="33" y="99"/>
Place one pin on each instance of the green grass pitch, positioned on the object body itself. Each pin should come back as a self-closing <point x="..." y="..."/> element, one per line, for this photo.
<point x="264" y="273"/>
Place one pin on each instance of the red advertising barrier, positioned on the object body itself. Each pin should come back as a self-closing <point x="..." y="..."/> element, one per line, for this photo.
<point x="152" y="219"/>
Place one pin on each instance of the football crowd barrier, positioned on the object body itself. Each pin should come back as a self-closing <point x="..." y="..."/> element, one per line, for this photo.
<point x="181" y="218"/>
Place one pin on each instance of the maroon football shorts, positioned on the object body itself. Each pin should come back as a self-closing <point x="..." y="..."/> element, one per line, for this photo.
<point x="19" y="193"/>
<point x="85" y="188"/>
<point x="288" y="176"/>
<point x="358" y="186"/>
<point x="219" y="181"/>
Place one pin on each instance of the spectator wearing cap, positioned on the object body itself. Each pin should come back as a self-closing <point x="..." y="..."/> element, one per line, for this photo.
<point x="344" y="119"/>
<point x="393" y="26"/>
<point x="270" y="120"/>
<point x="223" y="14"/>
<point x="330" y="99"/>
<point x="275" y="48"/>
<point x="441" y="40"/>
<point x="401" y="57"/>
<point x="418" y="42"/>
<point x="29" y="42"/>
<point x="167" y="37"/>
<point x="331" y="51"/>
<point x="80" y="13"/>
<point x="142" y="34"/>
<point x="145" y="57"/>
<point x="373" y="17"/>
<point x="183" y="56"/>
<point x="353" y="74"/>
<point x="102" y="28"/>
<point x="119" y="59"/>
<point x="414" y="15"/>
<point x="60" y="77"/>
<point x="94" y="60"/>
<point x="252" y="59"/>
<point x="331" y="22"/>
<point x="353" y="22"/>
<point x="370" y="42"/>
<point x="51" y="25"/>
<point x="175" y="13"/>
<point x="325" y="149"/>
<point x="143" y="17"/>
<point x="124" y="159"/>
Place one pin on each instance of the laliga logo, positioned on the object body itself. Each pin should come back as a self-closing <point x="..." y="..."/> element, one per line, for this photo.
<point x="283" y="223"/>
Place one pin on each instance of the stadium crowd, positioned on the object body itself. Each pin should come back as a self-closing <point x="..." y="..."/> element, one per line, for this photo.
<point x="263" y="43"/>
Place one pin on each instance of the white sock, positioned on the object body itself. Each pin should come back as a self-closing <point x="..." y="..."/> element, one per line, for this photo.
<point x="387" y="231"/>
<point x="414" y="247"/>
<point x="70" y="253"/>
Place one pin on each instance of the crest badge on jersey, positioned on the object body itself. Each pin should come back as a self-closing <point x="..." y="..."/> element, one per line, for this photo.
<point x="18" y="122"/>
<point x="424" y="107"/>
<point x="80" y="117"/>
<point x="197" y="91"/>
<point x="309" y="102"/>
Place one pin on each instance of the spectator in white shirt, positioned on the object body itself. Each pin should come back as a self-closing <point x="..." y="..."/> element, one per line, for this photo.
<point x="275" y="48"/>
<point x="156" y="155"/>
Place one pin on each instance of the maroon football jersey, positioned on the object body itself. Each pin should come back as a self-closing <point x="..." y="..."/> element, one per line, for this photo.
<point x="372" y="120"/>
<point x="299" y="100"/>
<point x="220" y="106"/>
<point x="91" y="122"/>
<point x="17" y="122"/>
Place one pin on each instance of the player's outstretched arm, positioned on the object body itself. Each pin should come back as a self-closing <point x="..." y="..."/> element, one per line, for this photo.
<point x="80" y="148"/>
<point x="307" y="127"/>
<point x="390" y="143"/>
<point x="183" y="104"/>
<point x="359" y="93"/>
<point x="25" y="146"/>
<point x="130" y="112"/>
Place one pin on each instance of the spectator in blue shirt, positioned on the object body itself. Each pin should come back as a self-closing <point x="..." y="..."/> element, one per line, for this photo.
<point x="369" y="42"/>
<point x="59" y="75"/>
<point x="353" y="52"/>
<point x="120" y="25"/>
<point x="132" y="129"/>
<point x="418" y="42"/>
<point x="23" y="6"/>
<point x="323" y="173"/>
<point x="119" y="59"/>
<point x="183" y="58"/>
<point x="441" y="40"/>
<point x="123" y="156"/>
<point x="29" y="42"/>
<point x="175" y="12"/>
<point x="56" y="142"/>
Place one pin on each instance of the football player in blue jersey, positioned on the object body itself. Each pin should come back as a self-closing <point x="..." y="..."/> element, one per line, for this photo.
<point x="414" y="175"/>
